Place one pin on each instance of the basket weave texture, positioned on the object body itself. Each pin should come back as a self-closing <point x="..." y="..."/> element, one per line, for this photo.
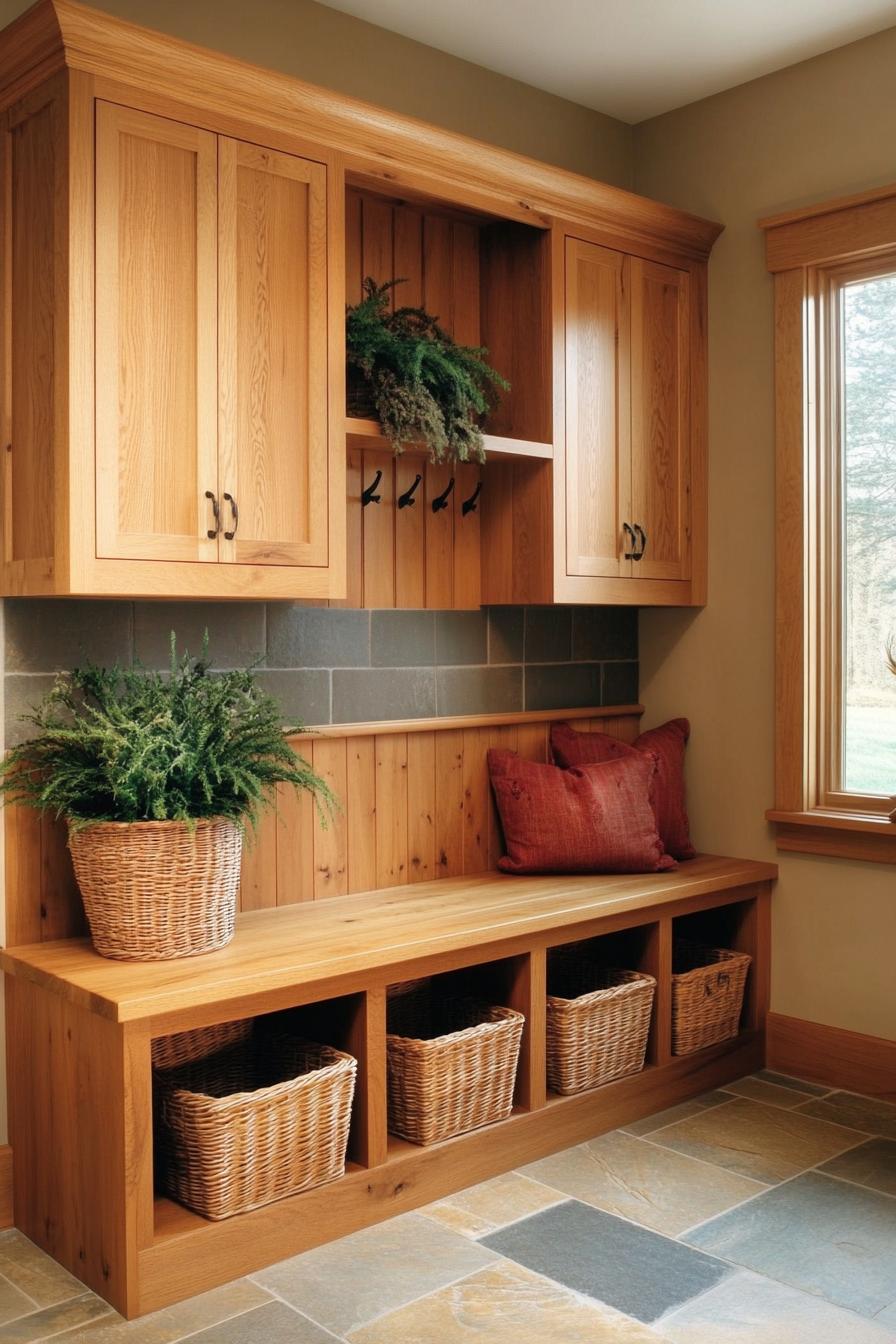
<point x="707" y="995"/>
<point x="184" y="1046"/>
<point x="252" y="1124"/>
<point x="598" y="1021"/>
<point x="451" y="1063"/>
<point x="155" y="890"/>
<point x="359" y="394"/>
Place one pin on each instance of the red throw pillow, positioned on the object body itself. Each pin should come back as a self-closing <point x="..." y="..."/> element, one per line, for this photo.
<point x="597" y="819"/>
<point x="667" y="744"/>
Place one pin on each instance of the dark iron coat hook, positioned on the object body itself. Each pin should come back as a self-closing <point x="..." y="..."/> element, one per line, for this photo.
<point x="469" y="505"/>
<point x="368" y="497"/>
<point x="408" y="496"/>
<point x="441" y="501"/>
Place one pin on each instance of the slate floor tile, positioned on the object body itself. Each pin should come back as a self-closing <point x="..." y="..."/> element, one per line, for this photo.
<point x="748" y="1309"/>
<point x="504" y="1304"/>
<point x="835" y="1240"/>
<point x="14" y="1303"/>
<point x="172" y="1324"/>
<point x="349" y="1282"/>
<point x="680" y="1112"/>
<point x="765" y="1142"/>
<point x="865" y="1113"/>
<point x="760" y="1089"/>
<point x="887" y="1319"/>
<point x="872" y="1164"/>
<point x="34" y="1273"/>
<point x="653" y="1186"/>
<point x="796" y="1084"/>
<point x="493" y="1204"/>
<point x="73" y="1316"/>
<point x="275" y="1323"/>
<point x="636" y="1271"/>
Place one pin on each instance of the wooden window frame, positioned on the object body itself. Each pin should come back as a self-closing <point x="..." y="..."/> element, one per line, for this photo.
<point x="812" y="254"/>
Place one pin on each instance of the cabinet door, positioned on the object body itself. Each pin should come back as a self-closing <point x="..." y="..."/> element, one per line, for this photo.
<point x="273" y="356"/>
<point x="156" y="398"/>
<point x="660" y="304"/>
<point x="597" y="411"/>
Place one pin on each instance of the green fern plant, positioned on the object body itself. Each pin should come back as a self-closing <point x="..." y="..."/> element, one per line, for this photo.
<point x="425" y="387"/>
<point x="129" y="744"/>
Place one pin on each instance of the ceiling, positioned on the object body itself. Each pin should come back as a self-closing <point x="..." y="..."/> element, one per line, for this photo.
<point x="630" y="58"/>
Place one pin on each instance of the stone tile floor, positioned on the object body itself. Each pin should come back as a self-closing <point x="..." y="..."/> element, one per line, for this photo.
<point x="762" y="1213"/>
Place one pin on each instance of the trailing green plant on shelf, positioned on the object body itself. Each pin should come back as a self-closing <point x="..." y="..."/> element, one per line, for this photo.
<point x="424" y="387"/>
<point x="130" y="745"/>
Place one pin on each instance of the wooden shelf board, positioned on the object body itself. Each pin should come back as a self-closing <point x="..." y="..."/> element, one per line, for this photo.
<point x="496" y="445"/>
<point x="319" y="949"/>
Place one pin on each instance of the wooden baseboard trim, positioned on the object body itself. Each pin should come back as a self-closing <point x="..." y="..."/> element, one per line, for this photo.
<point x="832" y="1055"/>
<point x="5" y="1185"/>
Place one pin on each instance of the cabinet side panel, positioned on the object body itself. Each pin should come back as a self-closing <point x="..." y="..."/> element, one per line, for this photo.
<point x="32" y="243"/>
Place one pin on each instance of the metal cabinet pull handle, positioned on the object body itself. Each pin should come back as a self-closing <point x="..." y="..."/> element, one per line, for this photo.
<point x="229" y="536"/>
<point x="630" y="532"/>
<point x="213" y="532"/>
<point x="643" y="535"/>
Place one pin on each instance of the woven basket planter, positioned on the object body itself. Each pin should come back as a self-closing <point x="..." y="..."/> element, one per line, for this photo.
<point x="598" y="1021"/>
<point x="359" y="400"/>
<point x="707" y="995"/>
<point x="263" y="1120"/>
<point x="168" y="1052"/>
<point x="154" y="890"/>
<point x="452" y="1064"/>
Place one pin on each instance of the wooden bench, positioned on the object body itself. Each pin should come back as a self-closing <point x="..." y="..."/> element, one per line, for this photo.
<point x="81" y="1027"/>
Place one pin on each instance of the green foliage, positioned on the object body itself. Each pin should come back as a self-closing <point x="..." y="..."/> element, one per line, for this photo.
<point x="127" y="744"/>
<point x="426" y="388"/>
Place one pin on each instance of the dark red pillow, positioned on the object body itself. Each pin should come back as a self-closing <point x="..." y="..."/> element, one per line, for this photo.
<point x="667" y="744"/>
<point x="597" y="819"/>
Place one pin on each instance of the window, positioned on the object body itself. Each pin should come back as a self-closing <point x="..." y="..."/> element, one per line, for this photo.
<point x="835" y="359"/>
<point x="866" y="322"/>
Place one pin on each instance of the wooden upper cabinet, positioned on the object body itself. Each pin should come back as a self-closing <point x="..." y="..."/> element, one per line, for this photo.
<point x="597" y="482"/>
<point x="179" y="233"/>
<point x="660" y="410"/>
<point x="156" y="296"/>
<point x="629" y="468"/>
<point x="272" y="212"/>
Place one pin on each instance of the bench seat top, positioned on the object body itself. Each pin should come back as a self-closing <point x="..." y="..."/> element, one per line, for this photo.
<point x="349" y="936"/>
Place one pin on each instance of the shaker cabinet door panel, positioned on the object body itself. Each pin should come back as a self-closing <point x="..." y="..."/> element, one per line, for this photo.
<point x="273" y="421"/>
<point x="156" y="283"/>
<point x="597" y="410"/>
<point x="660" y="306"/>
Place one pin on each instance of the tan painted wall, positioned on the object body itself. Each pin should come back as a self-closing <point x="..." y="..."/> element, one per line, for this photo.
<point x="341" y="52"/>
<point x="824" y="128"/>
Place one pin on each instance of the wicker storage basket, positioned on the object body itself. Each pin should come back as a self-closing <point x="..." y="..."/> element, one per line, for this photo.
<point x="707" y="995"/>
<point x="452" y="1063"/>
<point x="154" y="890"/>
<point x="168" y="1052"/>
<point x="598" y="1021"/>
<point x="252" y="1124"/>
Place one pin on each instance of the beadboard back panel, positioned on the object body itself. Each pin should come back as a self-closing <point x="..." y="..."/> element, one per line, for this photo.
<point x="415" y="805"/>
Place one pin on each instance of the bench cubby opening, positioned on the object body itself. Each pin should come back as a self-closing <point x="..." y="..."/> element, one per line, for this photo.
<point x="637" y="950"/>
<point x="733" y="926"/>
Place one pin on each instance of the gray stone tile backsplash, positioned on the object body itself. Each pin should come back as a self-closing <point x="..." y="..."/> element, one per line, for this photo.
<point x="338" y="665"/>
